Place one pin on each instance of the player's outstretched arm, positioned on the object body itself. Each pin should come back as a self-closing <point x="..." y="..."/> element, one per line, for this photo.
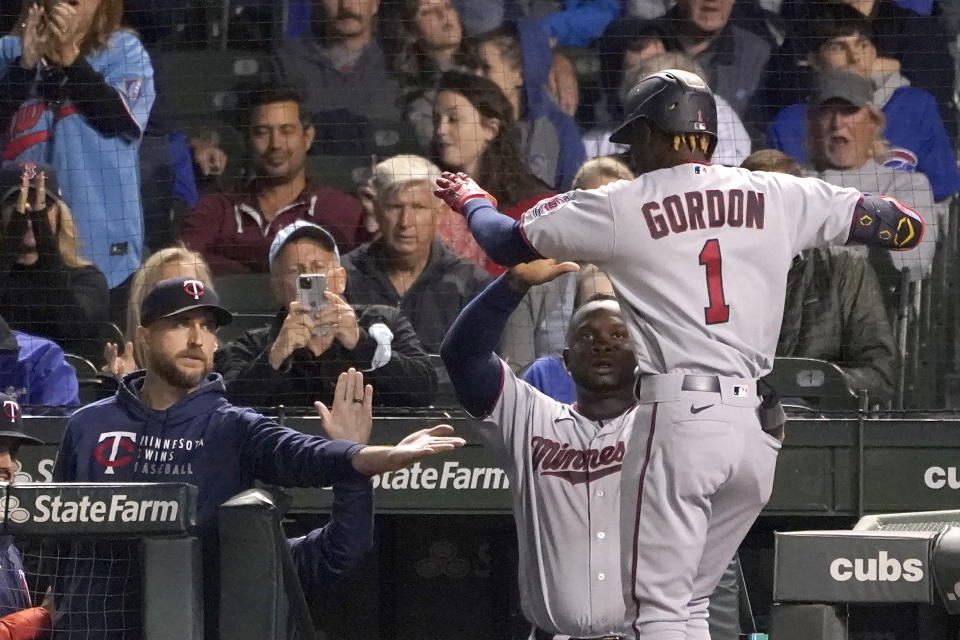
<point x="468" y="348"/>
<point x="882" y="221"/>
<point x="498" y="235"/>
<point x="374" y="460"/>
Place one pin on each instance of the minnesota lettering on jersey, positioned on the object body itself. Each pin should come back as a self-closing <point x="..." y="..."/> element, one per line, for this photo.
<point x="576" y="466"/>
<point x="704" y="210"/>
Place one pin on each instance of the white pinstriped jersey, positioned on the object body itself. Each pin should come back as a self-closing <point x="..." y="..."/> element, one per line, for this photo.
<point x="564" y="472"/>
<point x="698" y="256"/>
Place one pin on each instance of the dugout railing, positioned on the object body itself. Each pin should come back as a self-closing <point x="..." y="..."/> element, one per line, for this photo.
<point x="143" y="531"/>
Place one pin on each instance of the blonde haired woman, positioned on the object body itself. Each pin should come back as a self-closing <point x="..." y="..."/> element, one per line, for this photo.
<point x="172" y="262"/>
<point x="46" y="288"/>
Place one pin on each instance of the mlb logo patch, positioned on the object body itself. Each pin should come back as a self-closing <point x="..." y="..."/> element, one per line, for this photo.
<point x="741" y="391"/>
<point x="699" y="170"/>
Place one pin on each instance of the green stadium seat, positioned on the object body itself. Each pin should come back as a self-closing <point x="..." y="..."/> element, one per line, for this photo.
<point x="243" y="322"/>
<point x="205" y="84"/>
<point x="83" y="367"/>
<point x="245" y="293"/>
<point x="811" y="384"/>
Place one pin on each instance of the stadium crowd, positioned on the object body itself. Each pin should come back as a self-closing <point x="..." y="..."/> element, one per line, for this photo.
<point x="321" y="159"/>
<point x="350" y="112"/>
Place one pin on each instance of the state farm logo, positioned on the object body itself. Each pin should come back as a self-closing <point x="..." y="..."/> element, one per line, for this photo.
<point x="117" y="508"/>
<point x="12" y="511"/>
<point x="193" y="288"/>
<point x="116" y="450"/>
<point x="880" y="569"/>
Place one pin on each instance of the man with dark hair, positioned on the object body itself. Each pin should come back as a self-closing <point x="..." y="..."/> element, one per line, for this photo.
<point x="559" y="504"/>
<point x="339" y="62"/>
<point x="840" y="39"/>
<point x="233" y="231"/>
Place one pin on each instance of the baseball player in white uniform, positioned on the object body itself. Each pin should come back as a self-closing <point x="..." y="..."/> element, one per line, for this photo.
<point x="563" y="461"/>
<point x="698" y="256"/>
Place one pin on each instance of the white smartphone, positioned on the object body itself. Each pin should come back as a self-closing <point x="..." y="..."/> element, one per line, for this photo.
<point x="311" y="288"/>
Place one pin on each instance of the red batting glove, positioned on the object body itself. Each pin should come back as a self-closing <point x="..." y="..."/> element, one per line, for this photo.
<point x="457" y="188"/>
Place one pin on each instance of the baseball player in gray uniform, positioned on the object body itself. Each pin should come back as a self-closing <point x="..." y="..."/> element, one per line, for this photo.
<point x="563" y="461"/>
<point x="698" y="256"/>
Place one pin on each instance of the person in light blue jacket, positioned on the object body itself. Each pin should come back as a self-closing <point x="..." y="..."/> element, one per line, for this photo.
<point x="80" y="101"/>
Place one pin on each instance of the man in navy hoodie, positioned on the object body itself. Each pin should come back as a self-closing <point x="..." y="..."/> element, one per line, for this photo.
<point x="172" y="423"/>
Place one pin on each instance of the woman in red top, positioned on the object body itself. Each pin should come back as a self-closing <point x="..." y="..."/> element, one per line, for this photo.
<point x="475" y="132"/>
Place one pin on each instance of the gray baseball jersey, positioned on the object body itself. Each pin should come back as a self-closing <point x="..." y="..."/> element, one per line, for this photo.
<point x="564" y="472"/>
<point x="698" y="255"/>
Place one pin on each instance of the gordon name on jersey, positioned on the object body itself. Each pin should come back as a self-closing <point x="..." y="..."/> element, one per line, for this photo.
<point x="711" y="208"/>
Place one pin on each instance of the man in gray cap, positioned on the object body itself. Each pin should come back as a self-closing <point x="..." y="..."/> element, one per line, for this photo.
<point x="295" y="359"/>
<point x="846" y="149"/>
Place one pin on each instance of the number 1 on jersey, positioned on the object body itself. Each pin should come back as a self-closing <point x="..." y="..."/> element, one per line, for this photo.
<point x="718" y="312"/>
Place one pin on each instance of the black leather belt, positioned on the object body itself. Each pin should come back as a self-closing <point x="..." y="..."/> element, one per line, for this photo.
<point x="540" y="634"/>
<point x="709" y="384"/>
<point x="701" y="383"/>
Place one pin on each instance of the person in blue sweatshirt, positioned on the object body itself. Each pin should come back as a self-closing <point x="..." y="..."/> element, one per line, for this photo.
<point x="35" y="370"/>
<point x="172" y="423"/>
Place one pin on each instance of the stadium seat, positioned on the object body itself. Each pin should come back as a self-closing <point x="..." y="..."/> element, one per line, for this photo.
<point x="245" y="293"/>
<point x="811" y="384"/>
<point x="83" y="367"/>
<point x="341" y="172"/>
<point x="243" y="322"/>
<point x="205" y="84"/>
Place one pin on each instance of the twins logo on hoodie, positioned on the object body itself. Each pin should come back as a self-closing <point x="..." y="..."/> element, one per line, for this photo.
<point x="155" y="455"/>
<point x="116" y="449"/>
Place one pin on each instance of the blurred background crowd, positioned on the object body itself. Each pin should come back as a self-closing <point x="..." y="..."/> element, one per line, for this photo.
<point x="248" y="142"/>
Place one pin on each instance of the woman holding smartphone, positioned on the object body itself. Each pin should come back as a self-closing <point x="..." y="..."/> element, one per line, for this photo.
<point x="75" y="92"/>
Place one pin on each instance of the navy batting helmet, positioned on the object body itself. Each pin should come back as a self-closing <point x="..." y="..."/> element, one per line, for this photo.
<point x="673" y="100"/>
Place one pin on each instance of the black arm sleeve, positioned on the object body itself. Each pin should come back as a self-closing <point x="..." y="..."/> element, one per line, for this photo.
<point x="101" y="104"/>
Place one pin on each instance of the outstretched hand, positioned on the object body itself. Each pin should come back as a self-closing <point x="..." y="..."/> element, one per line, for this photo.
<point x="416" y="446"/>
<point x="529" y="274"/>
<point x="456" y="189"/>
<point x="352" y="414"/>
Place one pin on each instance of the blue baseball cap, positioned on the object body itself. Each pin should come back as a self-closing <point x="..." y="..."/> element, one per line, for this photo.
<point x="175" y="295"/>
<point x="303" y="229"/>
